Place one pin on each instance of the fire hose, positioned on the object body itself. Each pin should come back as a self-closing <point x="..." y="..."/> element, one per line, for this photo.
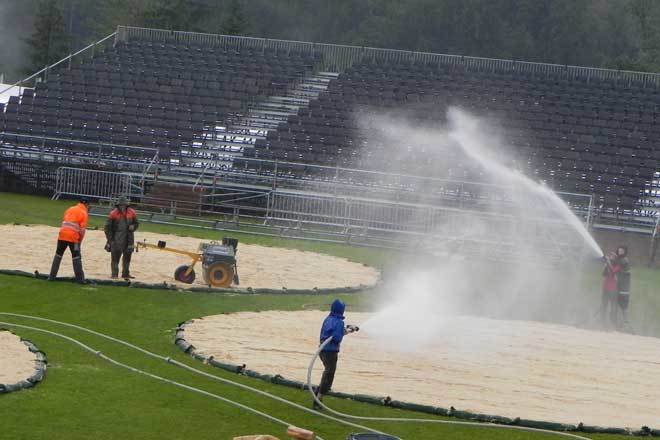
<point x="339" y="415"/>
<point x="177" y="364"/>
<point x="351" y="329"/>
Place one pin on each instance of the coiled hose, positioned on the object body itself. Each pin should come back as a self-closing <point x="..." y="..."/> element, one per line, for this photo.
<point x="175" y="363"/>
<point x="255" y="390"/>
<point x="153" y="376"/>
<point x="413" y="420"/>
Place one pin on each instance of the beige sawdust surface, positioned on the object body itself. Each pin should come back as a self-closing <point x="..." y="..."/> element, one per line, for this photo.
<point x="31" y="248"/>
<point x="521" y="369"/>
<point x="17" y="362"/>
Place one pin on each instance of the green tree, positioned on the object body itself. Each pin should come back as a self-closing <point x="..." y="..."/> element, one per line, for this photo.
<point x="646" y="16"/>
<point x="236" y="22"/>
<point x="49" y="41"/>
<point x="179" y="15"/>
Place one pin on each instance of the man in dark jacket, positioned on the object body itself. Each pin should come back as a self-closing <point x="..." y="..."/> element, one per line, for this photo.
<point x="623" y="286"/>
<point x="119" y="232"/>
<point x="333" y="326"/>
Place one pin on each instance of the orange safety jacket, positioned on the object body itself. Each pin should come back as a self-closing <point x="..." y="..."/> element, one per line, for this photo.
<point x="74" y="224"/>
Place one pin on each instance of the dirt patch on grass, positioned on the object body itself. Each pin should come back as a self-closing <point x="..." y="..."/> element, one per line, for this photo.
<point x="32" y="248"/>
<point x="521" y="369"/>
<point x="17" y="362"/>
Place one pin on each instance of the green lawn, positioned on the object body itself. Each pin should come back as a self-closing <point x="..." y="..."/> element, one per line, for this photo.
<point x="84" y="397"/>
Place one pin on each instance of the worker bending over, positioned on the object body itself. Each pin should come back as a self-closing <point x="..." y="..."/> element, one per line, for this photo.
<point x="119" y="232"/>
<point x="71" y="236"/>
<point x="333" y="326"/>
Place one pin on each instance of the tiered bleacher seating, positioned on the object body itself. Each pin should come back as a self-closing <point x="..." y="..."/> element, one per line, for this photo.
<point x="577" y="135"/>
<point x="144" y="94"/>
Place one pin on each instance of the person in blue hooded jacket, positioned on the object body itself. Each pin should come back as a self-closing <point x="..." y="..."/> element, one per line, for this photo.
<point x="333" y="326"/>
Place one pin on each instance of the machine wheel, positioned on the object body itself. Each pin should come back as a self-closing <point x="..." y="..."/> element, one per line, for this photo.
<point x="180" y="274"/>
<point x="220" y="275"/>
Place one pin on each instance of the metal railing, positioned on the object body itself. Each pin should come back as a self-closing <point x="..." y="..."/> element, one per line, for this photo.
<point x="341" y="57"/>
<point x="46" y="148"/>
<point x="365" y="223"/>
<point x="91" y="49"/>
<point x="80" y="182"/>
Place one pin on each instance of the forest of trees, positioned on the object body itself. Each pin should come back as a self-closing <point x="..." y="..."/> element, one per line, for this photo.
<point x="619" y="34"/>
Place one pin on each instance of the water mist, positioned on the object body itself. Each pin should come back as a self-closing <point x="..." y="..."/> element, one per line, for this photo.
<point x="524" y="273"/>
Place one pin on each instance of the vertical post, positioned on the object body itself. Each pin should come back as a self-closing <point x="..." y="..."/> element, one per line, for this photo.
<point x="275" y="178"/>
<point x="268" y="202"/>
<point x="334" y="184"/>
<point x="654" y="241"/>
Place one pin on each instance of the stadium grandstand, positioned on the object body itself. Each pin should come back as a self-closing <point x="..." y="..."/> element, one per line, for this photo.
<point x="267" y="128"/>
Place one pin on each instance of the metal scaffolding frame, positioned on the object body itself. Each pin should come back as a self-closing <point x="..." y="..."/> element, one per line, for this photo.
<point x="361" y="220"/>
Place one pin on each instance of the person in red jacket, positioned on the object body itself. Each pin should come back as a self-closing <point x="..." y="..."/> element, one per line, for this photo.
<point x="119" y="232"/>
<point x="71" y="235"/>
<point x="610" y="289"/>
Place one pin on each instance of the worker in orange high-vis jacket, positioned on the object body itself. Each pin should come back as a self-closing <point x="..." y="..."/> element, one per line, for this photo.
<point x="71" y="236"/>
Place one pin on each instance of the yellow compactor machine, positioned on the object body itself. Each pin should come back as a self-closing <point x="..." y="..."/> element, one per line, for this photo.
<point x="218" y="262"/>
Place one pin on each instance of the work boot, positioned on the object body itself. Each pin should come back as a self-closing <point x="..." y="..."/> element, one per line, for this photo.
<point x="55" y="267"/>
<point x="126" y="266"/>
<point x="78" y="270"/>
<point x="315" y="405"/>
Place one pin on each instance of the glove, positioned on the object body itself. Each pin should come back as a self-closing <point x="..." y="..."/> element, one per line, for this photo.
<point x="107" y="246"/>
<point x="131" y="228"/>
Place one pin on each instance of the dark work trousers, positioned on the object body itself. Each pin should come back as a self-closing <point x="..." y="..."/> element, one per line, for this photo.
<point x="73" y="247"/>
<point x="75" y="256"/>
<point x="329" y="359"/>
<point x="117" y="253"/>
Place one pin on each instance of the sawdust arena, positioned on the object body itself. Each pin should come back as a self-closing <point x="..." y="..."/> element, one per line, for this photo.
<point x="17" y="362"/>
<point x="532" y="370"/>
<point x="258" y="266"/>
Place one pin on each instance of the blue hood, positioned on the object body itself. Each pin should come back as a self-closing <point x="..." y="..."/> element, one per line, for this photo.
<point x="338" y="308"/>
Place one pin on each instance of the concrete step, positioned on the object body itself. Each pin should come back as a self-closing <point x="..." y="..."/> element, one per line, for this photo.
<point x="268" y="114"/>
<point x="289" y="100"/>
<point x="257" y="133"/>
<point x="277" y="107"/>
<point x="258" y="123"/>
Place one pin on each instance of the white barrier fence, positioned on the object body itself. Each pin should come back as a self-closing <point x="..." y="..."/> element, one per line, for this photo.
<point x="79" y="182"/>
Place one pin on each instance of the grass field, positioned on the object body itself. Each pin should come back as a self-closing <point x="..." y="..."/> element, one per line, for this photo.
<point x="84" y="397"/>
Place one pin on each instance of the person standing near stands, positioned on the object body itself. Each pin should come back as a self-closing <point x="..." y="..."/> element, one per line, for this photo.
<point x="119" y="232"/>
<point x="623" y="286"/>
<point x="610" y="290"/>
<point x="71" y="235"/>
